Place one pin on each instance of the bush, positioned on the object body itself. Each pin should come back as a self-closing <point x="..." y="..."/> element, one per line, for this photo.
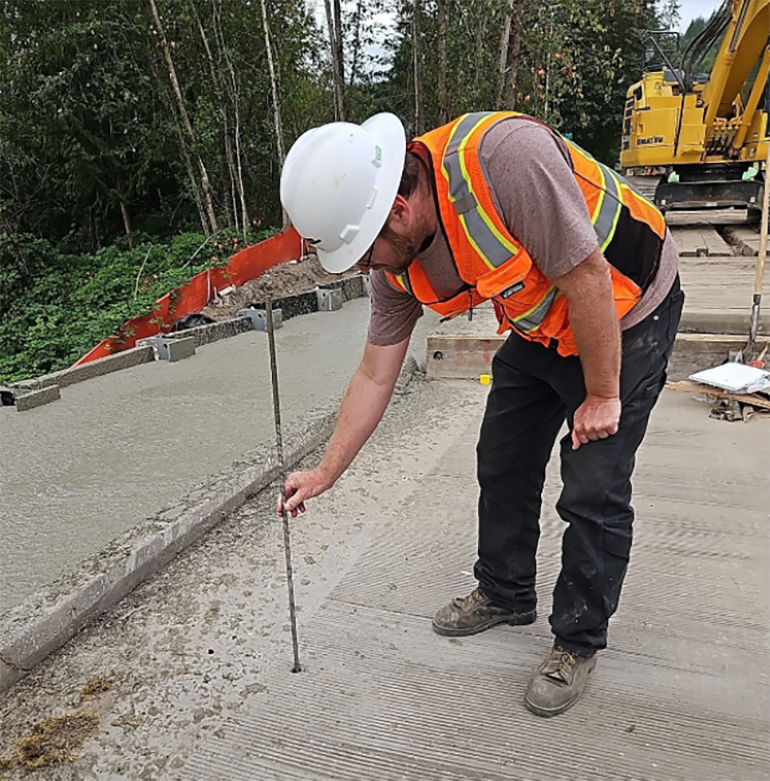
<point x="56" y="306"/>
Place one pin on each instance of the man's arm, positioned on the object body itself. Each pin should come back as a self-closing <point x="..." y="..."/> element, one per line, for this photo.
<point x="362" y="408"/>
<point x="594" y="321"/>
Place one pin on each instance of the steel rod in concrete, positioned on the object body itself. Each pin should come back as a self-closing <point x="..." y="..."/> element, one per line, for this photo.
<point x="284" y="515"/>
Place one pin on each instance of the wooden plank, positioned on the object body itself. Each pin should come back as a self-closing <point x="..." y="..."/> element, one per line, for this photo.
<point x="688" y="386"/>
<point x="460" y="357"/>
<point x="700" y="241"/>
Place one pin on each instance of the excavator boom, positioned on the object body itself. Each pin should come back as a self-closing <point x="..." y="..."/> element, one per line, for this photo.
<point x="707" y="131"/>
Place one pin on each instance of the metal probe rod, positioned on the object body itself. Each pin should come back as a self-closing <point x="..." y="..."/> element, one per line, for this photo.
<point x="282" y="470"/>
<point x="759" y="274"/>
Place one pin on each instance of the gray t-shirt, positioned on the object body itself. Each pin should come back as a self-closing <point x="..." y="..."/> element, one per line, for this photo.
<point x="541" y="205"/>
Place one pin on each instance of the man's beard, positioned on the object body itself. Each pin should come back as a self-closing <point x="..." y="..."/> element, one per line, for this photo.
<point x="404" y="248"/>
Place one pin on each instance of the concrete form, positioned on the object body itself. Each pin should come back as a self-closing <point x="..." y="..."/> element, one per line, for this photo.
<point x="700" y="241"/>
<point x="171" y="350"/>
<point x="213" y="332"/>
<point x="36" y="398"/>
<point x="123" y="360"/>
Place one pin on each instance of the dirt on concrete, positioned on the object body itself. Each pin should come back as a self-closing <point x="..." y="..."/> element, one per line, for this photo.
<point x="286" y="279"/>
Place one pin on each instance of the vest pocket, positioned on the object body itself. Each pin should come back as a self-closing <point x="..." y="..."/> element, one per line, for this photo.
<point x="507" y="280"/>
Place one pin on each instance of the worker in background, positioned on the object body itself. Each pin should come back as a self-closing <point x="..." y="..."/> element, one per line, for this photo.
<point x="582" y="272"/>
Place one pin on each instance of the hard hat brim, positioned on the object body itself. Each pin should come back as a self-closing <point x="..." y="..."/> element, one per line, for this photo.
<point x="391" y="137"/>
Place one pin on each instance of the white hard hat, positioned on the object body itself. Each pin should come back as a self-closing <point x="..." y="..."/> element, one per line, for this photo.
<point x="339" y="183"/>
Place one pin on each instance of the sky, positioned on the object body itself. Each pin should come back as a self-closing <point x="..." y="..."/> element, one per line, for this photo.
<point x="693" y="8"/>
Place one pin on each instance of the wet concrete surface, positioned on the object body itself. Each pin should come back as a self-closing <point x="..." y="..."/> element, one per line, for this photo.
<point x="77" y="473"/>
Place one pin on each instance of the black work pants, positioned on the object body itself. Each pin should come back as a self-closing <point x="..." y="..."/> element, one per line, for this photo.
<point x="533" y="391"/>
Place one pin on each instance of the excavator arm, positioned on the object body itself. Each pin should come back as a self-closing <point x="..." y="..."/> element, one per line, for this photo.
<point x="708" y="133"/>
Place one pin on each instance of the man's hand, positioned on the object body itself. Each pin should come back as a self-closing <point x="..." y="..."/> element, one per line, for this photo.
<point x="596" y="418"/>
<point x="300" y="486"/>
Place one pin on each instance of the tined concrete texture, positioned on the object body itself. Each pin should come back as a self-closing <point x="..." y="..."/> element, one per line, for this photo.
<point x="198" y="658"/>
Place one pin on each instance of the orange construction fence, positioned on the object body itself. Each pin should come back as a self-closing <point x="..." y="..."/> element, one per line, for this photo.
<point x="193" y="296"/>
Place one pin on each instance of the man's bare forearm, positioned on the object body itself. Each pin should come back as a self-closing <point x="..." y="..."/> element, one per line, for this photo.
<point x="595" y="325"/>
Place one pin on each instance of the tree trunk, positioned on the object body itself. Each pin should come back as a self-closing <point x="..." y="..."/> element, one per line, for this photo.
<point x="220" y="90"/>
<point x="337" y="70"/>
<point x="356" y="42"/>
<point x="182" y="148"/>
<point x="417" y="56"/>
<point x="510" y="50"/>
<point x="340" y="54"/>
<point x="235" y="94"/>
<point x="186" y="119"/>
<point x="443" y="107"/>
<point x="276" y="103"/>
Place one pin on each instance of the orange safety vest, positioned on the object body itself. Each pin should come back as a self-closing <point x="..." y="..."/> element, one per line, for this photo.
<point x="494" y="265"/>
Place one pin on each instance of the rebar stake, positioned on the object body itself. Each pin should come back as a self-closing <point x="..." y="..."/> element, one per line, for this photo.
<point x="282" y="471"/>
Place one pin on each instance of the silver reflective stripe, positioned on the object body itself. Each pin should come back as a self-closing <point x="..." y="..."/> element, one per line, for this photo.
<point x="463" y="128"/>
<point x="604" y="223"/>
<point x="534" y="318"/>
<point x="478" y="228"/>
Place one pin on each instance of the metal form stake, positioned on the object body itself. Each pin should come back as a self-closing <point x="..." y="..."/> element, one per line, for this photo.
<point x="761" y="256"/>
<point x="282" y="470"/>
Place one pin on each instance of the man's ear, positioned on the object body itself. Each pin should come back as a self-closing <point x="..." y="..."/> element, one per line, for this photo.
<point x="401" y="211"/>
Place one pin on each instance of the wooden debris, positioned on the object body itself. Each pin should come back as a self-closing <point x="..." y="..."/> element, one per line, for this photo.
<point x="687" y="386"/>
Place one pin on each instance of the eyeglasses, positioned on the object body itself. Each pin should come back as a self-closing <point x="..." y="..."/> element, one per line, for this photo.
<point x="366" y="261"/>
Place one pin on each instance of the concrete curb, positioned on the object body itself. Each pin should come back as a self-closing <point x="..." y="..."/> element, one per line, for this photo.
<point x="36" y="398"/>
<point x="737" y="323"/>
<point x="53" y="615"/>
<point x="126" y="359"/>
<point x="294" y="305"/>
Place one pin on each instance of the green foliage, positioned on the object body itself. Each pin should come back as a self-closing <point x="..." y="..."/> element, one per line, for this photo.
<point x="101" y="182"/>
<point x="56" y="306"/>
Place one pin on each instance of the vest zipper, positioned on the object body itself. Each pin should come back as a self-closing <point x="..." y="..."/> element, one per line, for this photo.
<point x="470" y="307"/>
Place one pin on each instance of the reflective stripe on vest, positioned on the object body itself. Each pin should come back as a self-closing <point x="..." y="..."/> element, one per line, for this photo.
<point x="493" y="248"/>
<point x="403" y="280"/>
<point x="605" y="217"/>
<point x="532" y="319"/>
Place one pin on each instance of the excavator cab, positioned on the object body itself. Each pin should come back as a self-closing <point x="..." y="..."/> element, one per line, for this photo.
<point x="704" y="133"/>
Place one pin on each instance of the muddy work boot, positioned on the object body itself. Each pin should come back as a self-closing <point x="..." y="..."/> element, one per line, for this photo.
<point x="475" y="613"/>
<point x="559" y="682"/>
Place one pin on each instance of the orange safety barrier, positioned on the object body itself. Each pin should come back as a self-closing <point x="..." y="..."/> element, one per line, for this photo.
<point x="193" y="296"/>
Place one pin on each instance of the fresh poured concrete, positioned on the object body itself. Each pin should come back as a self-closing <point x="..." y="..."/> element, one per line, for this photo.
<point x="115" y="449"/>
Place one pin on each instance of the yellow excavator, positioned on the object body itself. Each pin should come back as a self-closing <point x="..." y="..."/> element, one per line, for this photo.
<point x="705" y="134"/>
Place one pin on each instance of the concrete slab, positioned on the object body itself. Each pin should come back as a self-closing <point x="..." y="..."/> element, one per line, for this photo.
<point x="719" y="287"/>
<point x="199" y="657"/>
<point x="124" y="445"/>
<point x="399" y="702"/>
